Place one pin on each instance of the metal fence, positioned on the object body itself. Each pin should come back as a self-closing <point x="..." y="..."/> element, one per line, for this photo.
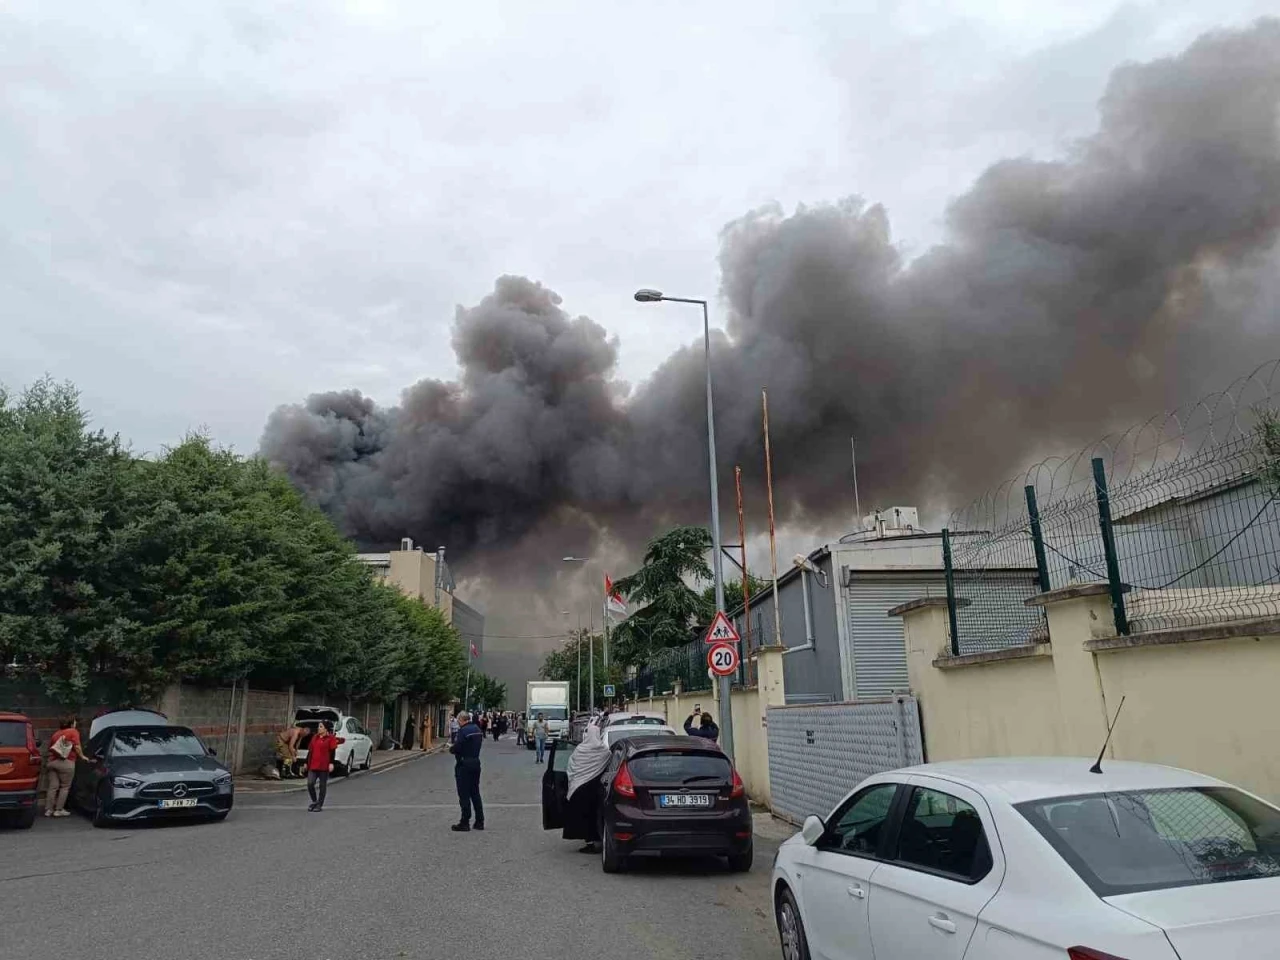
<point x="819" y="752"/>
<point x="1177" y="516"/>
<point x="687" y="663"/>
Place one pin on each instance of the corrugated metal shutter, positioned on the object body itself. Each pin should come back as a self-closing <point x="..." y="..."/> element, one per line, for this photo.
<point x="879" y="651"/>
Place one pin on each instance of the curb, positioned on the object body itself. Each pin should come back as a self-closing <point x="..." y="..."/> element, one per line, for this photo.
<point x="254" y="785"/>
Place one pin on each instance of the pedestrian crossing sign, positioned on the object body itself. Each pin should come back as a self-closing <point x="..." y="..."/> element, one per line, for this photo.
<point x="722" y="630"/>
<point x="608" y="689"/>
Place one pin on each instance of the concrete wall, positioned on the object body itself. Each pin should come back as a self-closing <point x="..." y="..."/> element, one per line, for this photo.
<point x="241" y="728"/>
<point x="1200" y="698"/>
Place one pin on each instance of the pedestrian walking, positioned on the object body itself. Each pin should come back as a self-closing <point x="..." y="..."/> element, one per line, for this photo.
<point x="320" y="764"/>
<point x="453" y="728"/>
<point x="466" y="772"/>
<point x="540" y="737"/>
<point x="522" y="734"/>
<point x="706" y="729"/>
<point x="64" y="750"/>
<point x="407" y="741"/>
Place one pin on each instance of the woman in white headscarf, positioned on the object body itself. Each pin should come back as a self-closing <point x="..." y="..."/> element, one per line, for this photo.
<point x="586" y="763"/>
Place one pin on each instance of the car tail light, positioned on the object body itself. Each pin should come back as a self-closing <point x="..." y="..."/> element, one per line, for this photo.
<point x="623" y="783"/>
<point x="1085" y="953"/>
<point x="32" y="750"/>
<point x="624" y="837"/>
<point x="738" y="789"/>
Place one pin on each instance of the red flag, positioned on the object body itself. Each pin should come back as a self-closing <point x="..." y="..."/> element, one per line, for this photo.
<point x="474" y="652"/>
<point x="613" y="601"/>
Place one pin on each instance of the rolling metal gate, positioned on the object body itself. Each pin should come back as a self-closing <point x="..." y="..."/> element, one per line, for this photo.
<point x="819" y="752"/>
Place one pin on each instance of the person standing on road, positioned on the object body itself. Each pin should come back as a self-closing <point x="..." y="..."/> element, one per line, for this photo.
<point x="320" y="764"/>
<point x="706" y="729"/>
<point x="522" y="735"/>
<point x="64" y="750"/>
<point x="540" y="737"/>
<point x="466" y="772"/>
<point x="453" y="729"/>
<point x="407" y="741"/>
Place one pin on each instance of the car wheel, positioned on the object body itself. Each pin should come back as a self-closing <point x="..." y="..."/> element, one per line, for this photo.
<point x="611" y="860"/>
<point x="368" y="759"/>
<point x="795" y="945"/>
<point x="99" y="816"/>
<point x="741" y="862"/>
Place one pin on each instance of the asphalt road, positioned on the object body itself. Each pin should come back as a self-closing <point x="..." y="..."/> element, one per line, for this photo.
<point x="378" y="875"/>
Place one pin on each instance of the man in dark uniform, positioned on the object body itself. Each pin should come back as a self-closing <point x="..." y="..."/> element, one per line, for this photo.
<point x="466" y="771"/>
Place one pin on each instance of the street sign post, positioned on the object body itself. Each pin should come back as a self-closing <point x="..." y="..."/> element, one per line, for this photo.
<point x="722" y="658"/>
<point x="608" y="689"/>
<point x="722" y="630"/>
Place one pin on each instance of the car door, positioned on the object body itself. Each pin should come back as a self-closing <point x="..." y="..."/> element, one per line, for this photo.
<point x="355" y="746"/>
<point x="835" y="879"/>
<point x="555" y="790"/>
<point x="945" y="864"/>
<point x="89" y="773"/>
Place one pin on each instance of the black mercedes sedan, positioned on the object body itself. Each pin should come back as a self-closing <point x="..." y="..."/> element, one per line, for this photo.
<point x="142" y="767"/>
<point x="659" y="796"/>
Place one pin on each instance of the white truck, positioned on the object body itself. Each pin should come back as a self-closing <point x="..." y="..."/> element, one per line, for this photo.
<point x="551" y="699"/>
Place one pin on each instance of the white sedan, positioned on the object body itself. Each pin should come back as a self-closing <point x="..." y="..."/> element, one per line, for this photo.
<point x="1034" y="859"/>
<point x="620" y="731"/>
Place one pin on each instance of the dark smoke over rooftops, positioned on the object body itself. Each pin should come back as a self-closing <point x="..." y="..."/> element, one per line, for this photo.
<point x="1069" y="296"/>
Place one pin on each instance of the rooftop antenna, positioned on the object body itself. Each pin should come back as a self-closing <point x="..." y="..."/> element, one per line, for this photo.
<point x="1097" y="767"/>
<point x="857" y="503"/>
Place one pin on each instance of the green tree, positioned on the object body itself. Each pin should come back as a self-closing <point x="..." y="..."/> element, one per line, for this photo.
<point x="64" y="491"/>
<point x="485" y="691"/>
<point x="670" y="609"/>
<point x="199" y="565"/>
<point x="562" y="664"/>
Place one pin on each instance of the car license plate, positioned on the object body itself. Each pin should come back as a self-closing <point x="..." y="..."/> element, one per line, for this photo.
<point x="174" y="804"/>
<point x="684" y="800"/>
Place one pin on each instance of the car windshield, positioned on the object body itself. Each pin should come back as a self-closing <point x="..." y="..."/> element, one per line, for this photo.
<point x="13" y="733"/>
<point x="550" y="713"/>
<point x="679" y="768"/>
<point x="1140" y="840"/>
<point x="156" y="743"/>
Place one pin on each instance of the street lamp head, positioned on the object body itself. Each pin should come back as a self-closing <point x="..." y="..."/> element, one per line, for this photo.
<point x="648" y="296"/>
<point x="574" y="559"/>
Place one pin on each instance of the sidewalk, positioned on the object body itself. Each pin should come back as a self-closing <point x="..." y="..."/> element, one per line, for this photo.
<point x="252" y="783"/>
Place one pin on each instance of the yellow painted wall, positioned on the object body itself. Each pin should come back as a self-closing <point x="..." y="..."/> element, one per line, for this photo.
<point x="1208" y="706"/>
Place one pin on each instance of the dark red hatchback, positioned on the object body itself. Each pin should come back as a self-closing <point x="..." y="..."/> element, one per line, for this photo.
<point x="19" y="771"/>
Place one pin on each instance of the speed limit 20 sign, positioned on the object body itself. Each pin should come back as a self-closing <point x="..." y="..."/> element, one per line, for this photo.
<point x="722" y="658"/>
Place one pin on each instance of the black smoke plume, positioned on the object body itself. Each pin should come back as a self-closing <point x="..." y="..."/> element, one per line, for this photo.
<point x="1068" y="296"/>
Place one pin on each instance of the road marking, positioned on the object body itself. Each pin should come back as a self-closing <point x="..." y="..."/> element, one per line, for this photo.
<point x="387" y="806"/>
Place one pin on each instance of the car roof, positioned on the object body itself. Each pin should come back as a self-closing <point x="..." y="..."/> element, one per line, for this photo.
<point x="618" y="718"/>
<point x="10" y="715"/>
<point x="653" y="744"/>
<point x="641" y="729"/>
<point x="1018" y="779"/>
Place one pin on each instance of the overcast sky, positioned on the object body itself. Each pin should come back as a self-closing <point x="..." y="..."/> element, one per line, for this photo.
<point x="213" y="209"/>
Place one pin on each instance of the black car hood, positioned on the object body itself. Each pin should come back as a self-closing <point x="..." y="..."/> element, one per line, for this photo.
<point x="186" y="766"/>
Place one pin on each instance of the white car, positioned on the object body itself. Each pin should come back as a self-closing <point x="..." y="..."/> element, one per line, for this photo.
<point x="1034" y="859"/>
<point x="620" y="731"/>
<point x="355" y="754"/>
<point x="637" y="719"/>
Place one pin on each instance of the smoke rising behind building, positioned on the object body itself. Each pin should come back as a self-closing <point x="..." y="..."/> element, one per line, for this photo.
<point x="1069" y="295"/>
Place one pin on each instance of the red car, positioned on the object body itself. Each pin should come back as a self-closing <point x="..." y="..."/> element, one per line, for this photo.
<point x="19" y="771"/>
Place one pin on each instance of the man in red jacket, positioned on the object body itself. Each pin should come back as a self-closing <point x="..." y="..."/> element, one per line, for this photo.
<point x="320" y="764"/>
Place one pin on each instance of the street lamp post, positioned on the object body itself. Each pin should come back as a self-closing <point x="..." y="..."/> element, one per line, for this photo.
<point x="591" y="656"/>
<point x="726" y="687"/>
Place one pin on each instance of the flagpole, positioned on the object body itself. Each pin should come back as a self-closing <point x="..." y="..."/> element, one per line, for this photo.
<point x="604" y="609"/>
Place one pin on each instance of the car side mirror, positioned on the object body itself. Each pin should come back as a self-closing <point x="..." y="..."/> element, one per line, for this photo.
<point x="813" y="830"/>
<point x="213" y="752"/>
